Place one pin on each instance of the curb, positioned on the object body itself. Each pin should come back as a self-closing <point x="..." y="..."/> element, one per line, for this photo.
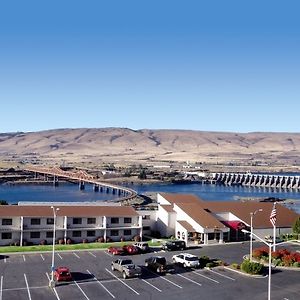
<point x="245" y="274"/>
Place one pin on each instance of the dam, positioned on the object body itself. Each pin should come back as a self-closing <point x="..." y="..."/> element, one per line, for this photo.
<point x="258" y="180"/>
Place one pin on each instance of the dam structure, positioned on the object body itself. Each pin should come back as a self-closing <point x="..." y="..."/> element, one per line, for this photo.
<point x="258" y="180"/>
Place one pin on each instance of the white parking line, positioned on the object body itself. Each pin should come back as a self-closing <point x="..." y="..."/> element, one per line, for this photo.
<point x="24" y="257"/>
<point x="213" y="280"/>
<point x="151" y="285"/>
<point x="222" y="275"/>
<point x="1" y="286"/>
<point x="82" y="290"/>
<point x="189" y="279"/>
<point x="5" y="259"/>
<point x="28" y="291"/>
<point x="55" y="292"/>
<point x="43" y="258"/>
<point x="92" y="254"/>
<point x="59" y="256"/>
<point x="76" y="255"/>
<point x="171" y="282"/>
<point x="122" y="282"/>
<point x="101" y="284"/>
<point x="108" y="254"/>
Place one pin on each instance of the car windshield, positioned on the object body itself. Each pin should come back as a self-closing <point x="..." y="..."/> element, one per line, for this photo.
<point x="191" y="258"/>
<point x="130" y="267"/>
<point x="127" y="262"/>
<point x="161" y="260"/>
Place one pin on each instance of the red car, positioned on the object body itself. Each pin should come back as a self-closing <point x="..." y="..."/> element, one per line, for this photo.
<point x="62" y="274"/>
<point x="130" y="249"/>
<point x="115" y="250"/>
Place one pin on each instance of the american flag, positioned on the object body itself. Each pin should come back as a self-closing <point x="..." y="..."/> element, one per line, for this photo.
<point x="273" y="215"/>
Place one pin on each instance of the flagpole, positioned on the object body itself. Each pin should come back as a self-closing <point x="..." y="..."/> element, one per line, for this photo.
<point x="274" y="238"/>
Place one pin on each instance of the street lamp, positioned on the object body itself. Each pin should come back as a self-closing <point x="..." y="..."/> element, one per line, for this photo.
<point x="252" y="214"/>
<point x="270" y="245"/>
<point x="55" y="210"/>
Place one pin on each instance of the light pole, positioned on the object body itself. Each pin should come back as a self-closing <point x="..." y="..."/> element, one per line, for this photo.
<point x="55" y="210"/>
<point x="270" y="245"/>
<point x="252" y="214"/>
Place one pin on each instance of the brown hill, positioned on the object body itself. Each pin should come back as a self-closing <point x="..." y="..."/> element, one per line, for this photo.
<point x="125" y="146"/>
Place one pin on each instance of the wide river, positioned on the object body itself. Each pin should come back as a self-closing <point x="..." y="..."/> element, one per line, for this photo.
<point x="70" y="192"/>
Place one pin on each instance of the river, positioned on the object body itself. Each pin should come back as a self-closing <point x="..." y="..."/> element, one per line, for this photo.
<point x="70" y="192"/>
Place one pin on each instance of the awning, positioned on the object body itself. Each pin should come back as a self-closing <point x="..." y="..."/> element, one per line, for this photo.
<point x="235" y="225"/>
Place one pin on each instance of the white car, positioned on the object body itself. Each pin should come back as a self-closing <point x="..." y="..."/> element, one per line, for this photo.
<point x="186" y="259"/>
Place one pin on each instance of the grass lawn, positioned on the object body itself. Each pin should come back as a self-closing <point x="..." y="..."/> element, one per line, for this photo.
<point x="37" y="248"/>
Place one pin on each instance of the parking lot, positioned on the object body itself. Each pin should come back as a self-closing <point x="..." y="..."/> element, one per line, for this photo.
<point x="26" y="276"/>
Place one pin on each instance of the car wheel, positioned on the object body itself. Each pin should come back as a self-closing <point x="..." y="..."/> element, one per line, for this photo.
<point x="124" y="275"/>
<point x="112" y="268"/>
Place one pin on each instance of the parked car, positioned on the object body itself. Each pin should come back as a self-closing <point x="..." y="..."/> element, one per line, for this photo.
<point x="142" y="246"/>
<point x="115" y="250"/>
<point x="269" y="239"/>
<point x="186" y="260"/>
<point x="126" y="267"/>
<point x="159" y="264"/>
<point x="173" y="245"/>
<point x="62" y="274"/>
<point x="130" y="249"/>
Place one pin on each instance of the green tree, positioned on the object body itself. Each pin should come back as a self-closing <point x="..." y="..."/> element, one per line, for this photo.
<point x="296" y="227"/>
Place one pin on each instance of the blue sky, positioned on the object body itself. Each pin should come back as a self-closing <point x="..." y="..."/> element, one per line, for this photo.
<point x="201" y="65"/>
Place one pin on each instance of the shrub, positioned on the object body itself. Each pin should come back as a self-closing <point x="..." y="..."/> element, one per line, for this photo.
<point x="137" y="238"/>
<point x="252" y="267"/>
<point x="203" y="260"/>
<point x="210" y="264"/>
<point x="61" y="241"/>
<point x="296" y="264"/>
<point x="100" y="239"/>
<point x="84" y="241"/>
<point x="43" y="242"/>
<point x="16" y="243"/>
<point x="108" y="239"/>
<point x="69" y="241"/>
<point x="260" y="252"/>
<point x="235" y="266"/>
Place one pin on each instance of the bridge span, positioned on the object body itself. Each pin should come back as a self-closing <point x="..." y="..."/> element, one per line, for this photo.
<point x="259" y="180"/>
<point x="83" y="177"/>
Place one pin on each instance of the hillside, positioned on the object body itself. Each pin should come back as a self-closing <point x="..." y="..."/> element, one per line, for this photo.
<point x="124" y="146"/>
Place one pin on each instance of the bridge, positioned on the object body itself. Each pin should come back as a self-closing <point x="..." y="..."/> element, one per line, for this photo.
<point x="259" y="180"/>
<point x="83" y="177"/>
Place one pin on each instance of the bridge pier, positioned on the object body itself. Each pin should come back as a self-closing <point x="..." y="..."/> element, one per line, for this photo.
<point x="81" y="185"/>
<point x="96" y="188"/>
<point x="55" y="181"/>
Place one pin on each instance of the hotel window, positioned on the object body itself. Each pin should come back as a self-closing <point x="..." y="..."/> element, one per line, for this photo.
<point x="6" y="221"/>
<point x="6" y="236"/>
<point x="91" y="220"/>
<point x="127" y="231"/>
<point x="114" y="232"/>
<point x="76" y="233"/>
<point x="50" y="221"/>
<point x="127" y="220"/>
<point x="49" y="234"/>
<point x="90" y="233"/>
<point x="114" y="220"/>
<point x="77" y="221"/>
<point x="35" y="235"/>
<point x="35" y="221"/>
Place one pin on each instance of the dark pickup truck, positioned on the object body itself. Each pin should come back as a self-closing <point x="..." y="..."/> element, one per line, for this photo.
<point x="159" y="264"/>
